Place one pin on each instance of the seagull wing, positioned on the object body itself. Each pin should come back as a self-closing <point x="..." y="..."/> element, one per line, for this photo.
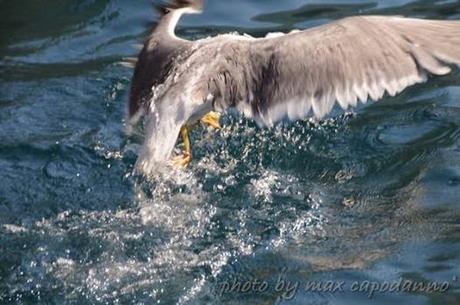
<point x="358" y="58"/>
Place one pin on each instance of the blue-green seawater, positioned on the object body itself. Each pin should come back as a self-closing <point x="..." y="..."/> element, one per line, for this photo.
<point x="372" y="195"/>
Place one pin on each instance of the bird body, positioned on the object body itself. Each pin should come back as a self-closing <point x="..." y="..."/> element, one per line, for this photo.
<point x="294" y="75"/>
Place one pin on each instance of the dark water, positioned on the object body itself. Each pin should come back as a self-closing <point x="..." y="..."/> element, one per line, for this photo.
<point x="369" y="196"/>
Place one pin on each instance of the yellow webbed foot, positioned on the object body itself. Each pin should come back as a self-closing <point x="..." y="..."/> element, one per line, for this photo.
<point x="181" y="161"/>
<point x="211" y="119"/>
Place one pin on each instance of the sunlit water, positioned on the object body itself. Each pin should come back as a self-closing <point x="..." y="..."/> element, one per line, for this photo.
<point x="371" y="195"/>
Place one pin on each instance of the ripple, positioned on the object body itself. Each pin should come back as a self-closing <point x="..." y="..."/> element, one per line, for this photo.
<point x="357" y="196"/>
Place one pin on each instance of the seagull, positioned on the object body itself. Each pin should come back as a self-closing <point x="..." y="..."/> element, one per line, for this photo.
<point x="178" y="83"/>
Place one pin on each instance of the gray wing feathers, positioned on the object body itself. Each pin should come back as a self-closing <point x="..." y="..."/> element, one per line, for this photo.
<point x="353" y="60"/>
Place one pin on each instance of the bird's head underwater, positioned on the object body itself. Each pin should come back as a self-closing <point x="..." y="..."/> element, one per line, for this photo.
<point x="165" y="91"/>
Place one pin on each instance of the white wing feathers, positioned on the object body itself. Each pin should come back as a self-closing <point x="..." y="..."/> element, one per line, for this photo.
<point x="356" y="59"/>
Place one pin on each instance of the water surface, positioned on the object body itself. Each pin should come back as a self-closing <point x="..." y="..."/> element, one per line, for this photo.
<point x="371" y="195"/>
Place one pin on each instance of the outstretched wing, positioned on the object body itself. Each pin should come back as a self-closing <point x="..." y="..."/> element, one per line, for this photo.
<point x="353" y="59"/>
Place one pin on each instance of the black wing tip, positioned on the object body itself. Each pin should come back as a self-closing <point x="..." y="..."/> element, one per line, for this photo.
<point x="163" y="8"/>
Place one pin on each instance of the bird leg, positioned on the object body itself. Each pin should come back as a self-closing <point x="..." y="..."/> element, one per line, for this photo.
<point x="186" y="157"/>
<point x="211" y="119"/>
